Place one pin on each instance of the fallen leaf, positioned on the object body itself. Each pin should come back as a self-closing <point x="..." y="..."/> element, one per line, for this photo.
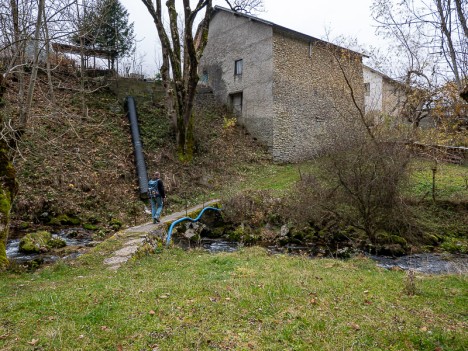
<point x="355" y="326"/>
<point x="152" y="312"/>
<point x="119" y="348"/>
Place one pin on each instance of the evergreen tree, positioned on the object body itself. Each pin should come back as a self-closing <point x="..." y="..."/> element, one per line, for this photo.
<point x="115" y="34"/>
<point x="105" y="26"/>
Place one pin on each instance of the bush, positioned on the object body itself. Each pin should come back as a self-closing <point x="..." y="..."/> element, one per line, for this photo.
<point x="359" y="187"/>
<point x="252" y="207"/>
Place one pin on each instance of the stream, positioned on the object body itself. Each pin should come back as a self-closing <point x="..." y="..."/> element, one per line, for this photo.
<point x="430" y="263"/>
<point x="73" y="237"/>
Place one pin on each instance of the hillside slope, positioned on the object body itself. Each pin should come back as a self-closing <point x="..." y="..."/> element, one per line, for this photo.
<point x="81" y="169"/>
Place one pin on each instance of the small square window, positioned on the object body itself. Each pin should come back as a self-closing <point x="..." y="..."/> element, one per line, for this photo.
<point x="238" y="66"/>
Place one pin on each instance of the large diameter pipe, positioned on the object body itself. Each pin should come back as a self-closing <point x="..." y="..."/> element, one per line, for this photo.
<point x="137" y="146"/>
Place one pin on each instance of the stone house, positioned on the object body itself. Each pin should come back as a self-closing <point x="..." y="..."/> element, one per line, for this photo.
<point x="287" y="88"/>
<point x="383" y="95"/>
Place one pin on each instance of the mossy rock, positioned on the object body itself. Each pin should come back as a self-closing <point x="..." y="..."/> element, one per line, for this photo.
<point x="38" y="242"/>
<point x="245" y="234"/>
<point x="3" y="258"/>
<point x="89" y="226"/>
<point x="394" y="250"/>
<point x="115" y="224"/>
<point x="455" y="245"/>
<point x="56" y="243"/>
<point x="65" y="219"/>
<point x="384" y="237"/>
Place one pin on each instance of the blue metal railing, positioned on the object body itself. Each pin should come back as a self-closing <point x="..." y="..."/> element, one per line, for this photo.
<point x="169" y="232"/>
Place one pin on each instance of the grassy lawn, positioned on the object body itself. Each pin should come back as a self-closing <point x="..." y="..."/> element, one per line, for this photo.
<point x="248" y="300"/>
<point x="451" y="181"/>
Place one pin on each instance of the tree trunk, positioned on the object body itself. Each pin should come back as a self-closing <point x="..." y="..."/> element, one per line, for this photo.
<point x="181" y="56"/>
<point x="444" y="27"/>
<point x="8" y="189"/>
<point x="47" y="47"/>
<point x="32" y="81"/>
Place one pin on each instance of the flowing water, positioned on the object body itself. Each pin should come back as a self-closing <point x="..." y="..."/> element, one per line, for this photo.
<point x="431" y="263"/>
<point x="72" y="236"/>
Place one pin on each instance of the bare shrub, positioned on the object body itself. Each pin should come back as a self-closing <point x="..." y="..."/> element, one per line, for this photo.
<point x="254" y="208"/>
<point x="358" y="187"/>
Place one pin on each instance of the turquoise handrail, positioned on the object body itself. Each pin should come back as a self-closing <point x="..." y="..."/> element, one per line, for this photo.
<point x="169" y="232"/>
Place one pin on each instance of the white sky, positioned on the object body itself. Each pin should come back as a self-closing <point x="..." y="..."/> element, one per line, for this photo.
<point x="351" y="18"/>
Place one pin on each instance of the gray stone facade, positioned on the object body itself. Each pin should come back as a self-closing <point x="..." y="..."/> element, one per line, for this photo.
<point x="292" y="85"/>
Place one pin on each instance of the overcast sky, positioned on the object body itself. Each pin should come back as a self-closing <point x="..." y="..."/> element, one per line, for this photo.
<point x="351" y="18"/>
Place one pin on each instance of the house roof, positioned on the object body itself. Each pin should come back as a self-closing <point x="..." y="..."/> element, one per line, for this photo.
<point x="73" y="49"/>
<point x="282" y="29"/>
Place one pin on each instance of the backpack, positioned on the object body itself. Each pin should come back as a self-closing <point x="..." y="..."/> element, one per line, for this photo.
<point x="153" y="191"/>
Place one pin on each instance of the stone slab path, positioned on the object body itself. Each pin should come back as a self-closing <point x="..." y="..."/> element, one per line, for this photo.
<point x="134" y="237"/>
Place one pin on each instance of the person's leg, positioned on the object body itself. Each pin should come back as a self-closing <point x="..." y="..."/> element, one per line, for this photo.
<point x="153" y="208"/>
<point x="159" y="203"/>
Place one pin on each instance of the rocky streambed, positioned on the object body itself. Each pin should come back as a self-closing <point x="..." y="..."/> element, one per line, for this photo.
<point x="78" y="240"/>
<point x="75" y="242"/>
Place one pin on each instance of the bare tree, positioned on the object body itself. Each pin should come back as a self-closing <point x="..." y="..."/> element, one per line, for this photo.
<point x="180" y="58"/>
<point x="24" y="25"/>
<point x="430" y="35"/>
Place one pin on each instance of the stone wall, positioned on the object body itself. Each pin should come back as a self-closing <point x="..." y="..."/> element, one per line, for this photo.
<point x="235" y="37"/>
<point x="312" y="101"/>
<point x="293" y="89"/>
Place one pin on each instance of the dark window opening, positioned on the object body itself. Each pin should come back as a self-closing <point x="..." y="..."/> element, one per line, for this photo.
<point x="238" y="66"/>
<point x="236" y="103"/>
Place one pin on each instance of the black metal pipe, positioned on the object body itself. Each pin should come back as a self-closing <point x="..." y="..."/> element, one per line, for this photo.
<point x="137" y="146"/>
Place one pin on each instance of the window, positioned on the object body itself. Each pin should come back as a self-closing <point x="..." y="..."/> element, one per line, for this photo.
<point x="204" y="78"/>
<point x="236" y="103"/>
<point x="238" y="65"/>
<point x="367" y="89"/>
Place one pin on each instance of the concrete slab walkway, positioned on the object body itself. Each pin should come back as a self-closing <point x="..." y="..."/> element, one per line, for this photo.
<point x="134" y="237"/>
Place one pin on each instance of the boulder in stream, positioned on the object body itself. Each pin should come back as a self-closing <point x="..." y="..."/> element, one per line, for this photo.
<point x="40" y="242"/>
